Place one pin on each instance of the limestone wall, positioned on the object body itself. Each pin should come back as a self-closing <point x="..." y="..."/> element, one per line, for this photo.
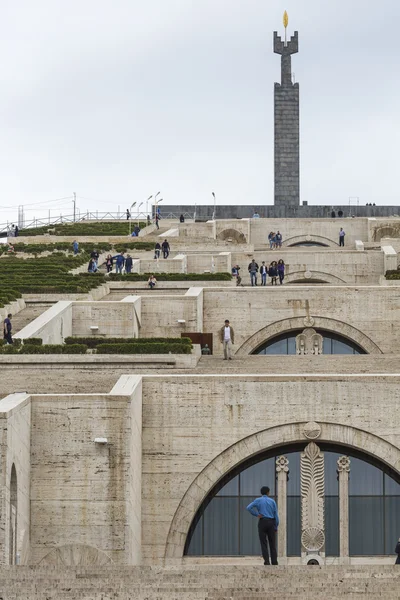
<point x="369" y="310"/>
<point x="79" y="489"/>
<point x="113" y="319"/>
<point x="326" y="229"/>
<point x="189" y="421"/>
<point x="161" y="316"/>
<point x="329" y="265"/>
<point x="15" y="441"/>
<point x="213" y="263"/>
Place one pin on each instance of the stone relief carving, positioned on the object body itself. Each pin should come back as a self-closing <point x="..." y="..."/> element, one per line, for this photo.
<point x="312" y="480"/>
<point x="308" y="321"/>
<point x="312" y="430"/>
<point x="309" y="342"/>
<point x="313" y="539"/>
<point x="282" y="464"/>
<point x="343" y="463"/>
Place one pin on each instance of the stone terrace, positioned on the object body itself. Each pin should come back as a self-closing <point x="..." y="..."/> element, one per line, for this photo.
<point x="216" y="582"/>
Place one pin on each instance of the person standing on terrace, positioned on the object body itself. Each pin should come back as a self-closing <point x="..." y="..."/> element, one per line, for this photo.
<point x="7" y="328"/>
<point x="119" y="262"/>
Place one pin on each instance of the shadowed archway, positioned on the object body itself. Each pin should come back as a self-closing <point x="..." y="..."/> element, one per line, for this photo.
<point x="310" y="277"/>
<point x="308" y="239"/>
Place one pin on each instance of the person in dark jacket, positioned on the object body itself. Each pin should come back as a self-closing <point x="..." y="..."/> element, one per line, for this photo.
<point x="281" y="270"/>
<point x="273" y="272"/>
<point x="253" y="270"/>
<point x="181" y="219"/>
<point x="109" y="263"/>
<point x="95" y="255"/>
<point x="7" y="328"/>
<point x="157" y="250"/>
<point x="165" y="248"/>
<point x="398" y="553"/>
<point x="128" y="264"/>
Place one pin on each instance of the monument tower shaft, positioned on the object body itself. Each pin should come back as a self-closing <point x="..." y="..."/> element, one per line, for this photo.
<point x="287" y="127"/>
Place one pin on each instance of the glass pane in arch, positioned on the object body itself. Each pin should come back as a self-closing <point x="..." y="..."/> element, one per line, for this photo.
<point x="366" y="530"/>
<point x="221" y="527"/>
<point x="285" y="344"/>
<point x="392" y="488"/>
<point x="392" y="523"/>
<point x="365" y="479"/>
<point x="254" y="477"/>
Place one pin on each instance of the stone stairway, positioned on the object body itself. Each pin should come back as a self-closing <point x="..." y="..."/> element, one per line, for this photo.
<point x="28" y="314"/>
<point x="217" y="582"/>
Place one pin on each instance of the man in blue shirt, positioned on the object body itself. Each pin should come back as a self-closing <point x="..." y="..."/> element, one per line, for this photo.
<point x="265" y="510"/>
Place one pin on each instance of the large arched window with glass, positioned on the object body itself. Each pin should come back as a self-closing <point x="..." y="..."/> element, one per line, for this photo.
<point x="223" y="526"/>
<point x="332" y="344"/>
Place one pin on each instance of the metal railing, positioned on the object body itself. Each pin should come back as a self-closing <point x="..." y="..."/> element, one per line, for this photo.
<point x="88" y="216"/>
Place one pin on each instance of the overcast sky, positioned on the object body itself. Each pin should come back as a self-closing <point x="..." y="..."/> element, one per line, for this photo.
<point x="119" y="99"/>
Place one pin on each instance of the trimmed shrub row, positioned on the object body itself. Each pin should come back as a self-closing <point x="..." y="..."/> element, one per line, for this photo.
<point x="59" y="247"/>
<point x="46" y="349"/>
<point x="85" y="228"/>
<point x="393" y="274"/>
<point x="93" y="342"/>
<point x="134" y="246"/>
<point x="172" y="276"/>
<point x="121" y="348"/>
<point x="160" y="348"/>
<point x="44" y="275"/>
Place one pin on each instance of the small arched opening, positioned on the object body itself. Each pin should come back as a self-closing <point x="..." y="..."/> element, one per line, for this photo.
<point x="13" y="516"/>
<point x="232" y="235"/>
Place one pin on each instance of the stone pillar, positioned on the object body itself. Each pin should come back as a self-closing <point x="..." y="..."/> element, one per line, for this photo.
<point x="312" y="478"/>
<point x="287" y="128"/>
<point x="282" y="470"/>
<point x="343" y="470"/>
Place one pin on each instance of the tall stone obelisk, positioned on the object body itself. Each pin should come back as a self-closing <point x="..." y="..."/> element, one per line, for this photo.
<point x="287" y="125"/>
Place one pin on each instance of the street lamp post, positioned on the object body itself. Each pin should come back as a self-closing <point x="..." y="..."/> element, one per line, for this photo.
<point x="156" y="203"/>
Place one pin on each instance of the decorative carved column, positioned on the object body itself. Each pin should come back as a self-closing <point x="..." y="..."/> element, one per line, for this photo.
<point x="282" y="469"/>
<point x="312" y="478"/>
<point x="343" y="470"/>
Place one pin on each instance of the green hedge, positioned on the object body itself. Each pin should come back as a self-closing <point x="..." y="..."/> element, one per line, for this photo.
<point x="101" y="228"/>
<point x="134" y="246"/>
<point x="57" y="248"/>
<point x="44" y="275"/>
<point x="93" y="342"/>
<point x="160" y="348"/>
<point x="172" y="276"/>
<point x="54" y="349"/>
<point x="391" y="275"/>
<point x="33" y="342"/>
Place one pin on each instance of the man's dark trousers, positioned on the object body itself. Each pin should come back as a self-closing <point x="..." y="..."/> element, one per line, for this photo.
<point x="8" y="337"/>
<point x="266" y="528"/>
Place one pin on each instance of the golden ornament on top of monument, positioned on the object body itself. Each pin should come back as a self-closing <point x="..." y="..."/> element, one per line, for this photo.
<point x="285" y="19"/>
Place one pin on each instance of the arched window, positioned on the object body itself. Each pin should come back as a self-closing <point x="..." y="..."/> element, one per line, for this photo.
<point x="332" y="344"/>
<point x="223" y="526"/>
